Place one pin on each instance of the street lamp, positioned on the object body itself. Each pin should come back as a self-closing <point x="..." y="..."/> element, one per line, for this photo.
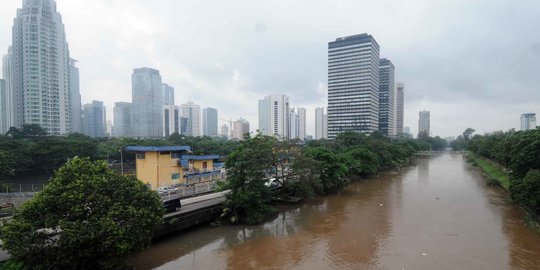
<point x="121" y="161"/>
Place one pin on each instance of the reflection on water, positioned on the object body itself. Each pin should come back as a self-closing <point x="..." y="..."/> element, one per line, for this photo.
<point x="437" y="214"/>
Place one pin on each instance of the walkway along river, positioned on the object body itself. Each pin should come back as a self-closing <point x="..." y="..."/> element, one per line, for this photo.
<point x="437" y="214"/>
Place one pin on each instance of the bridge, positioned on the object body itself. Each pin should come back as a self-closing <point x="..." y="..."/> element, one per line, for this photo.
<point x="194" y="211"/>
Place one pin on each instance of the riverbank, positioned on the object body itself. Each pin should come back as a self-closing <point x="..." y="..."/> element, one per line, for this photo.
<point x="495" y="172"/>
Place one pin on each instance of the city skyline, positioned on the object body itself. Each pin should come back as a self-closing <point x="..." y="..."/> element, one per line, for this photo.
<point x="227" y="73"/>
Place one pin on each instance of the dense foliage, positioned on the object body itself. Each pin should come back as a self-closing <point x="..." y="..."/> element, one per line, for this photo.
<point x="519" y="152"/>
<point x="30" y="152"/>
<point x="318" y="167"/>
<point x="88" y="217"/>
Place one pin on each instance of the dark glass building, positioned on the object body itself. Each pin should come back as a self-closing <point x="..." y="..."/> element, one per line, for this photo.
<point x="387" y="109"/>
<point x="353" y="85"/>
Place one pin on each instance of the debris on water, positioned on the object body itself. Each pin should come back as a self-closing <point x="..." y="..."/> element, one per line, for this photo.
<point x="437" y="198"/>
<point x="424" y="254"/>
<point x="380" y="204"/>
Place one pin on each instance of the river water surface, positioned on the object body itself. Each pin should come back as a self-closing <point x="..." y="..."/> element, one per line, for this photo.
<point x="436" y="214"/>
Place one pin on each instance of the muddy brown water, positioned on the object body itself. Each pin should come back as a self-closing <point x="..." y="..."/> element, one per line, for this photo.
<point x="436" y="214"/>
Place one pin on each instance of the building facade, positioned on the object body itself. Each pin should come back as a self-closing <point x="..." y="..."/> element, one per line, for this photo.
<point x="400" y="103"/>
<point x="294" y="123"/>
<point x="210" y="122"/>
<point x="274" y="116"/>
<point x="302" y="123"/>
<point x="225" y="131"/>
<point x="240" y="128"/>
<point x="171" y="120"/>
<point x="6" y="105"/>
<point x="147" y="103"/>
<point x="76" y="112"/>
<point x="39" y="82"/>
<point x="167" y="93"/>
<point x="387" y="98"/>
<point x="94" y="120"/>
<point x="192" y="112"/>
<point x="423" y="123"/>
<point x="320" y="124"/>
<point x="353" y="85"/>
<point x="122" y="120"/>
<point x="528" y="121"/>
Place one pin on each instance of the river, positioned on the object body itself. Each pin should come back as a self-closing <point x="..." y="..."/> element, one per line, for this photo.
<point x="436" y="214"/>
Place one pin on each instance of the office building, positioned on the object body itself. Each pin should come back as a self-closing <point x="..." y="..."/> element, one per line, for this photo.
<point x="225" y="131"/>
<point x="294" y="122"/>
<point x="76" y="113"/>
<point x="400" y="99"/>
<point x="321" y="128"/>
<point x="240" y="129"/>
<point x="387" y="98"/>
<point x="122" y="119"/>
<point x="423" y="123"/>
<point x="3" y="106"/>
<point x="274" y="116"/>
<point x="6" y="104"/>
<point x="528" y="121"/>
<point x="147" y="103"/>
<point x="210" y="122"/>
<point x="192" y="113"/>
<point x="302" y="123"/>
<point x="167" y="94"/>
<point x="94" y="120"/>
<point x="353" y="85"/>
<point x="171" y="120"/>
<point x="407" y="130"/>
<point x="39" y="68"/>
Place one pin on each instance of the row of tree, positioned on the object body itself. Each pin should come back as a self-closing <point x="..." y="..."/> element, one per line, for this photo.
<point x="320" y="167"/>
<point x="519" y="151"/>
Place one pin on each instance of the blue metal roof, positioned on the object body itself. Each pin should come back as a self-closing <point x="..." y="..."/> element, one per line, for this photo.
<point x="157" y="148"/>
<point x="206" y="157"/>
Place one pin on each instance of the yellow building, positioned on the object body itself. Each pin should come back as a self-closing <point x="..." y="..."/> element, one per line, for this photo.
<point x="164" y="166"/>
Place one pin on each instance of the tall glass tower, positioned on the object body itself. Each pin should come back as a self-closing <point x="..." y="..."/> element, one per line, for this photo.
<point x="387" y="109"/>
<point x="147" y="103"/>
<point x="353" y="85"/>
<point x="39" y="84"/>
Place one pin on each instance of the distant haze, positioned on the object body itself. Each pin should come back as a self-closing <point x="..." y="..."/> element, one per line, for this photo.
<point x="471" y="63"/>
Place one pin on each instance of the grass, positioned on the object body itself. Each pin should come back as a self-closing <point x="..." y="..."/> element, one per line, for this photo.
<point x="494" y="171"/>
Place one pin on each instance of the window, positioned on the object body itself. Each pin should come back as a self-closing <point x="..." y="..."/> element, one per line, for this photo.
<point x="175" y="176"/>
<point x="205" y="165"/>
<point x="140" y="156"/>
<point x="164" y="153"/>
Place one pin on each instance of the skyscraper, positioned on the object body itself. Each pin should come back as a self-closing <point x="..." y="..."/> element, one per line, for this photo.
<point x="76" y="113"/>
<point x="39" y="85"/>
<point x="400" y="107"/>
<point x="294" y="123"/>
<point x="353" y="85"/>
<point x="386" y="98"/>
<point x="192" y="112"/>
<point x="94" y="120"/>
<point x="302" y="123"/>
<point x="320" y="124"/>
<point x="3" y="104"/>
<point x="147" y="103"/>
<point x="274" y="117"/>
<point x="210" y="122"/>
<point x="423" y="123"/>
<point x="6" y="105"/>
<point x="167" y="94"/>
<point x="122" y="119"/>
<point x="240" y="128"/>
<point x="528" y="121"/>
<point x="225" y="131"/>
<point x="171" y="120"/>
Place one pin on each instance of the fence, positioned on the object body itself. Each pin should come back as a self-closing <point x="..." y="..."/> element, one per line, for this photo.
<point x="21" y="187"/>
<point x="191" y="191"/>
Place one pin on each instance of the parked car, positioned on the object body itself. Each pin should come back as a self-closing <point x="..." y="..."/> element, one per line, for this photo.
<point x="172" y="205"/>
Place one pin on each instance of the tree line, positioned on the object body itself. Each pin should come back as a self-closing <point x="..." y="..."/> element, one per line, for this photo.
<point x="519" y="152"/>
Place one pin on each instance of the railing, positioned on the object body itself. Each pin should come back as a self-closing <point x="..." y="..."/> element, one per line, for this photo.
<point x="191" y="191"/>
<point x="20" y="188"/>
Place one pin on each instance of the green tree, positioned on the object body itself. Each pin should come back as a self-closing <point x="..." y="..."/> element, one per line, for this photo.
<point x="526" y="192"/>
<point x="332" y="168"/>
<point x="88" y="217"/>
<point x="247" y="169"/>
<point x="6" y="164"/>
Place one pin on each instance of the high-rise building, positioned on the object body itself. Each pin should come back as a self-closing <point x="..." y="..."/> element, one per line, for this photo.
<point x="76" y="113"/>
<point x="6" y="105"/>
<point x="423" y="123"/>
<point x="294" y="123"/>
<point x="225" y="131"/>
<point x="353" y="85"/>
<point x="400" y="100"/>
<point x="122" y="119"/>
<point x="94" y="120"/>
<point x="192" y="112"/>
<point x="39" y="85"/>
<point x="407" y="130"/>
<point x="528" y="121"/>
<point x="147" y="103"/>
<point x="171" y="120"/>
<point x="240" y="128"/>
<point x="109" y="129"/>
<point x="302" y="123"/>
<point x="274" y="117"/>
<point x="3" y="104"/>
<point x="387" y="98"/>
<point x="321" y="128"/>
<point x="210" y="122"/>
<point x="167" y="94"/>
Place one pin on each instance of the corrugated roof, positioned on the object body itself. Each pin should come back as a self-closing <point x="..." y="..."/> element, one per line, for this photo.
<point x="157" y="148"/>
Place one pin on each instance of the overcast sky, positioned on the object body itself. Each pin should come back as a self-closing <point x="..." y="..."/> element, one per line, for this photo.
<point x="471" y="63"/>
